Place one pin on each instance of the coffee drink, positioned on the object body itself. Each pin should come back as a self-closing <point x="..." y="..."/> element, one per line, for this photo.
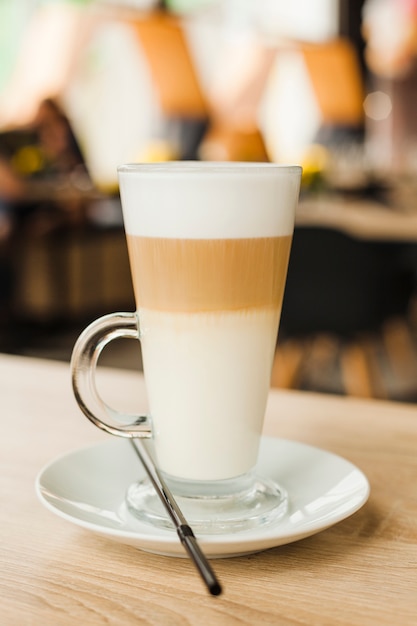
<point x="208" y="312"/>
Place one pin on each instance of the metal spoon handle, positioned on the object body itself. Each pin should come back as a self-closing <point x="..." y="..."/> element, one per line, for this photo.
<point x="182" y="527"/>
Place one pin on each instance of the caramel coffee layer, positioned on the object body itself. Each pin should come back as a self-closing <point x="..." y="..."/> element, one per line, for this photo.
<point x="192" y="275"/>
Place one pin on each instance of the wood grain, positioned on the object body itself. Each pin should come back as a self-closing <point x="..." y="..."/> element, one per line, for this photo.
<point x="361" y="571"/>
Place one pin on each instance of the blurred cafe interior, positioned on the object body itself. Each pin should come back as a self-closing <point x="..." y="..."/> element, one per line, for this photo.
<point x="86" y="85"/>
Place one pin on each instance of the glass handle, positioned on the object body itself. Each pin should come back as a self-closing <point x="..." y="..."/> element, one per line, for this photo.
<point x="84" y="360"/>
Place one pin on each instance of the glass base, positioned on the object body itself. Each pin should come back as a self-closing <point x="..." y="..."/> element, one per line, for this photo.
<point x="217" y="507"/>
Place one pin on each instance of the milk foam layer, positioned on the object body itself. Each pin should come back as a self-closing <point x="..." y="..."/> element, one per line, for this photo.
<point x="207" y="377"/>
<point x="229" y="200"/>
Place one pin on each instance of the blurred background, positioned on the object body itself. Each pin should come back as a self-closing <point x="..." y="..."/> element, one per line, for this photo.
<point x="86" y="85"/>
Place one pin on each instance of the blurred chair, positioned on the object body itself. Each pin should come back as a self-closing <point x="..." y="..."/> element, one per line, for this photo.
<point x="181" y="98"/>
<point x="312" y="90"/>
<point x="335" y="74"/>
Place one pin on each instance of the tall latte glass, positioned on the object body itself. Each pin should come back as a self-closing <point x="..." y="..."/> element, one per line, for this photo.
<point x="209" y="245"/>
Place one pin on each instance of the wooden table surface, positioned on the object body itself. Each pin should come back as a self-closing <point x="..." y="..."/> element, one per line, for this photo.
<point x="361" y="571"/>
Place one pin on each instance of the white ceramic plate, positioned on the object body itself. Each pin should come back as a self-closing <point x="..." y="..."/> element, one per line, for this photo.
<point x="87" y="488"/>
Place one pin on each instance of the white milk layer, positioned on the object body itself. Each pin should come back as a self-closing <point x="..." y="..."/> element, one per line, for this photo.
<point x="207" y="377"/>
<point x="208" y="200"/>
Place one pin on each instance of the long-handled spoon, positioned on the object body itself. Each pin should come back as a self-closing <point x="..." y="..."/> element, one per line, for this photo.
<point x="182" y="527"/>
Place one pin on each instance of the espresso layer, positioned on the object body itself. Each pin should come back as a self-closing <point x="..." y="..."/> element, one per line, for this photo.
<point x="192" y="275"/>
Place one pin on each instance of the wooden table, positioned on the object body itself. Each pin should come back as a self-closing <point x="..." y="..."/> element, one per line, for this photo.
<point x="52" y="573"/>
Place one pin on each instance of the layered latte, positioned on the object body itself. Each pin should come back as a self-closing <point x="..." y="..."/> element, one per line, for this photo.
<point x="209" y="264"/>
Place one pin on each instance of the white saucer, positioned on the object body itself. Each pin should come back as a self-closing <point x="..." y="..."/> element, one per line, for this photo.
<point x="87" y="487"/>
